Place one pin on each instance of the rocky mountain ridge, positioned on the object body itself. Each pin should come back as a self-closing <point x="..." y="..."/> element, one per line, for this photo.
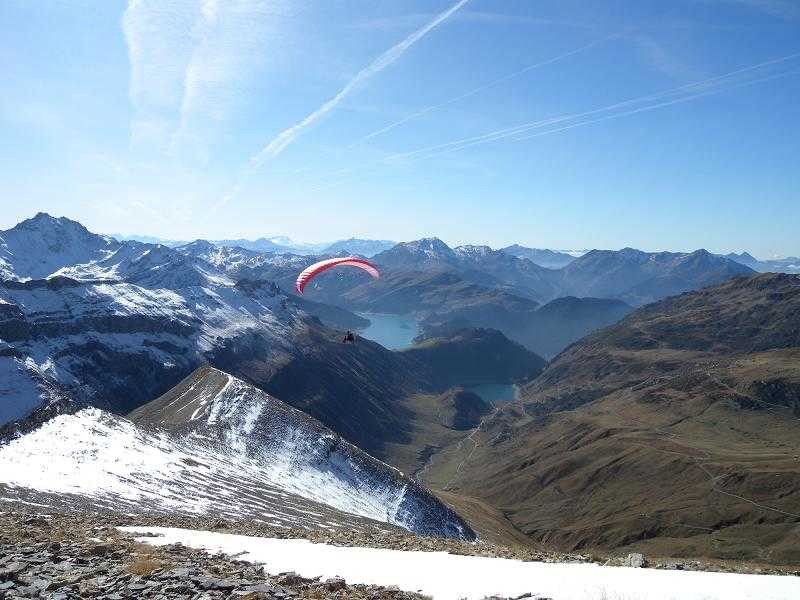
<point x="217" y="447"/>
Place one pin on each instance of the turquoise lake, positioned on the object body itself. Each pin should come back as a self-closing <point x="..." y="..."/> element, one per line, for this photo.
<point x="394" y="332"/>
<point x="397" y="332"/>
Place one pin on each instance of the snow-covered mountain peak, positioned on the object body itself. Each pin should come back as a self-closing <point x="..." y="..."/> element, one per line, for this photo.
<point x="227" y="258"/>
<point x="150" y="265"/>
<point x="45" y="224"/>
<point x="296" y="450"/>
<point x="40" y="246"/>
<point x="106" y="462"/>
<point x="423" y="253"/>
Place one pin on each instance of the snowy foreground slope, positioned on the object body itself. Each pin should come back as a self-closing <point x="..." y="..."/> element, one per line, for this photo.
<point x="450" y="577"/>
<point x="217" y="446"/>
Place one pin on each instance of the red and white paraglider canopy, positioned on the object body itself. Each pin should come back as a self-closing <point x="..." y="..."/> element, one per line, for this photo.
<point x="319" y="267"/>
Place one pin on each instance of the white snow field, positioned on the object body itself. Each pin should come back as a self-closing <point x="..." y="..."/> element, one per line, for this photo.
<point x="449" y="577"/>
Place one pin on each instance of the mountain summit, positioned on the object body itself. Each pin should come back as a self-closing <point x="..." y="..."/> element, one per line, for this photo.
<point x="40" y="246"/>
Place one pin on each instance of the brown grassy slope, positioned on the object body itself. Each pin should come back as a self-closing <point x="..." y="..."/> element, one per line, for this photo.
<point x="676" y="432"/>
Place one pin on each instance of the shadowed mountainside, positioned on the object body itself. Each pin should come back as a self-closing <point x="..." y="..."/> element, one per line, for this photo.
<point x="546" y="330"/>
<point x="476" y="356"/>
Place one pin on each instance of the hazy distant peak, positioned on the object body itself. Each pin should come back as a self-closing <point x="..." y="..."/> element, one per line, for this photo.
<point x="362" y="247"/>
<point x="550" y="259"/>
<point x="198" y="246"/>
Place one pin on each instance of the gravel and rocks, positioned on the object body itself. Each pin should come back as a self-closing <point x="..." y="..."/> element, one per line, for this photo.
<point x="61" y="558"/>
<point x="636" y="560"/>
<point x="380" y="536"/>
<point x="64" y="555"/>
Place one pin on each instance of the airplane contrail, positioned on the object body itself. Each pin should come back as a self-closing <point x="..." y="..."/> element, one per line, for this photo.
<point x="481" y="88"/>
<point x="517" y="137"/>
<point x="287" y="136"/>
<point x="717" y="80"/>
<point x="711" y="92"/>
<point x="709" y="86"/>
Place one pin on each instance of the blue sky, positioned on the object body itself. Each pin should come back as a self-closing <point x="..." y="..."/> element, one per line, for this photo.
<point x="553" y="123"/>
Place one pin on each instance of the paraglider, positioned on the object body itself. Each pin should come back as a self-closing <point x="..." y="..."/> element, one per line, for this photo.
<point x="320" y="267"/>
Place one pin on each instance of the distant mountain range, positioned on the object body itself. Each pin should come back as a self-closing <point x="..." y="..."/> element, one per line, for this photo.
<point x="278" y="244"/>
<point x="360" y="247"/>
<point x="641" y="277"/>
<point x="777" y="265"/>
<point x="273" y="244"/>
<point x="450" y="288"/>
<point x="551" y="259"/>
<point x="631" y="275"/>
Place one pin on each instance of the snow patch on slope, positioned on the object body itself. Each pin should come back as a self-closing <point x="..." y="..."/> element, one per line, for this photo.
<point x="108" y="462"/>
<point x="449" y="577"/>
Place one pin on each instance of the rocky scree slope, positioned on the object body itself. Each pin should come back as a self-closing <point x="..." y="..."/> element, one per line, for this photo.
<point x="60" y="558"/>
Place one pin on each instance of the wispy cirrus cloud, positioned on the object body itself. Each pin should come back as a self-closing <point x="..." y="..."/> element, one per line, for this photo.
<point x="481" y="88"/>
<point x="191" y="61"/>
<point x="231" y="42"/>
<point x="287" y="136"/>
<point x="158" y="34"/>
